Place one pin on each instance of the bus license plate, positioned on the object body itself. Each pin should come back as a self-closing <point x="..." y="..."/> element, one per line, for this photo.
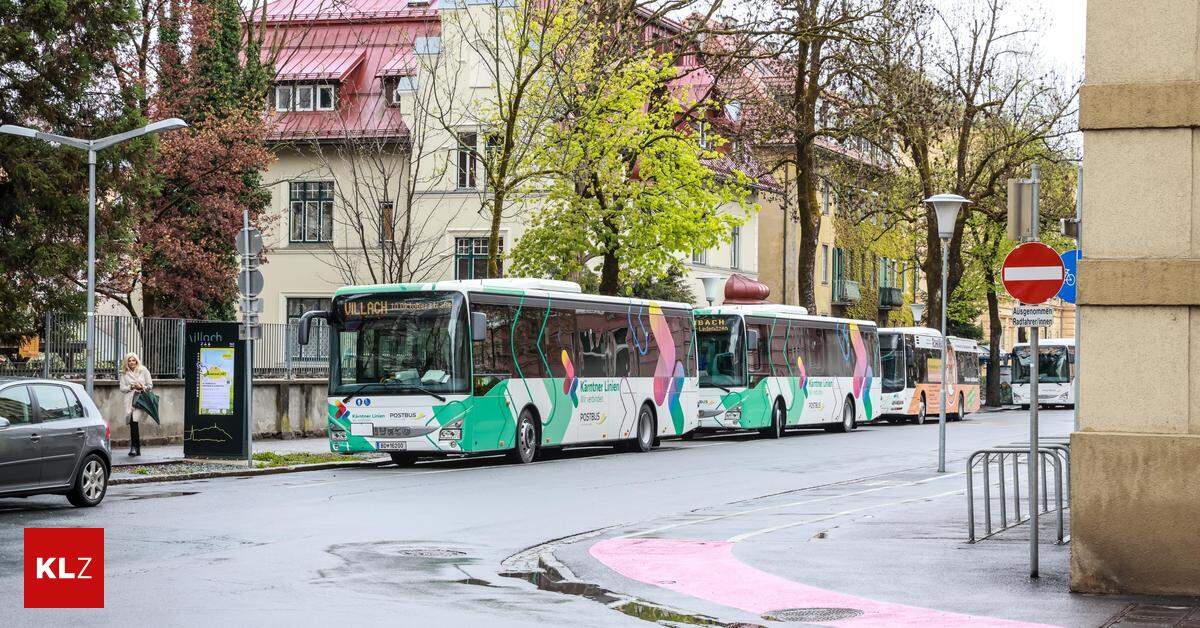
<point x="391" y="445"/>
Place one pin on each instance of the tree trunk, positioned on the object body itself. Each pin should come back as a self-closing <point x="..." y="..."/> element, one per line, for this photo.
<point x="610" y="269"/>
<point x="810" y="229"/>
<point x="995" y="331"/>
<point x="494" y="235"/>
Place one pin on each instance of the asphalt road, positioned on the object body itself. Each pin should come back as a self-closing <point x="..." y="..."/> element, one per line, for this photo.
<point x="424" y="546"/>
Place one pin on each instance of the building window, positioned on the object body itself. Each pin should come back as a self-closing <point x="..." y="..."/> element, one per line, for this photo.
<point x="700" y="256"/>
<point x="311" y="211"/>
<point x="304" y="98"/>
<point x="735" y="249"/>
<point x="387" y="221"/>
<point x="396" y="87"/>
<point x="317" y="348"/>
<point x="825" y="263"/>
<point x="468" y="160"/>
<point x="471" y="258"/>
<point x="326" y="97"/>
<point x="825" y="200"/>
<point x="283" y="97"/>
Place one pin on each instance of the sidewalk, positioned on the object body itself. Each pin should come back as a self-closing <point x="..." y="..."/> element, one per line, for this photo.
<point x="161" y="454"/>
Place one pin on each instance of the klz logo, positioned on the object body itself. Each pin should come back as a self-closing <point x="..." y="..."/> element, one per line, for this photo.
<point x="64" y="568"/>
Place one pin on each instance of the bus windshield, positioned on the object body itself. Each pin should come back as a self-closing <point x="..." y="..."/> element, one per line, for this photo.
<point x="720" y="341"/>
<point x="402" y="343"/>
<point x="1054" y="365"/>
<point x="892" y="362"/>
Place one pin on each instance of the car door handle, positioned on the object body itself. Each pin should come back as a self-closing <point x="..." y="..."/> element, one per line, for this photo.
<point x="34" y="437"/>
<point x="80" y="432"/>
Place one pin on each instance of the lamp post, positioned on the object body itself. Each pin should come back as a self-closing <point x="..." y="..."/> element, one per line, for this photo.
<point x="92" y="147"/>
<point x="711" y="283"/>
<point x="946" y="207"/>
<point x="918" y="310"/>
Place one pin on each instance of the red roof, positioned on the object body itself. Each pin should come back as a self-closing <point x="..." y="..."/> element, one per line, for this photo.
<point x="404" y="63"/>
<point x="298" y="64"/>
<point x="344" y="11"/>
<point x="364" y="116"/>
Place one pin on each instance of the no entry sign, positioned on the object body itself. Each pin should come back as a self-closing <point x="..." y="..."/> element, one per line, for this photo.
<point x="1032" y="273"/>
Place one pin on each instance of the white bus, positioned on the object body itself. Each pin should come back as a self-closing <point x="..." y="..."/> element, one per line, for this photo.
<point x="769" y="367"/>
<point x="504" y="365"/>
<point x="912" y="370"/>
<point x="1056" y="372"/>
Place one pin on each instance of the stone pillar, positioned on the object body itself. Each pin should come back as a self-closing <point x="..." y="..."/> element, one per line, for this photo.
<point x="1135" y="499"/>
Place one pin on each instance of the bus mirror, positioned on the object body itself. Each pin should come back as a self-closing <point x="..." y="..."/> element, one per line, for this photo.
<point x="752" y="340"/>
<point x="478" y="326"/>
<point x="305" y="321"/>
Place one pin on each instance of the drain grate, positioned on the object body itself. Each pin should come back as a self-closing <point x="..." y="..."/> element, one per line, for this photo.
<point x="1156" y="615"/>
<point x="432" y="552"/>
<point x="812" y="614"/>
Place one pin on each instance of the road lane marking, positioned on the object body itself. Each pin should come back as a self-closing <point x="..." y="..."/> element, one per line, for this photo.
<point x="742" y="537"/>
<point x="786" y="505"/>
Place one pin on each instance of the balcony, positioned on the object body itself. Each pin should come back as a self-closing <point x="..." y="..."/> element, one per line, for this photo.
<point x="890" y="298"/>
<point x="846" y="292"/>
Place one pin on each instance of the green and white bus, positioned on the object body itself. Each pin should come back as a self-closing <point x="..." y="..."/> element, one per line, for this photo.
<point x="769" y="367"/>
<point x="504" y="365"/>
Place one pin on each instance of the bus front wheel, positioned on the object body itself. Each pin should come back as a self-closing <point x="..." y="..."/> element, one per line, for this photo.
<point x="922" y="411"/>
<point x="525" y="443"/>
<point x="645" y="431"/>
<point x="775" y="429"/>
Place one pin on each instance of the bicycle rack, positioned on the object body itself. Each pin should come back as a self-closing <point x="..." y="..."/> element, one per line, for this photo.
<point x="1053" y="454"/>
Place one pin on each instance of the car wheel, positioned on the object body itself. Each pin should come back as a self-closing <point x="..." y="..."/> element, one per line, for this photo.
<point x="91" y="483"/>
<point x="1024" y="406"/>
<point x="922" y="412"/>
<point x="775" y="429"/>
<point x="403" y="459"/>
<point x="525" y="445"/>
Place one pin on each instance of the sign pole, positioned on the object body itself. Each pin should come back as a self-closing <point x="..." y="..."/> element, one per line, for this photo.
<point x="1034" y="357"/>
<point x="249" y="405"/>
<point x="942" y="403"/>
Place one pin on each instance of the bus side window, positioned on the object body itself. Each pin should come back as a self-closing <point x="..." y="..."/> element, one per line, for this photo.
<point x="779" y="366"/>
<point x="492" y="355"/>
<point x="910" y="362"/>
<point x="681" y="331"/>
<point x="529" y="323"/>
<point x="557" y="339"/>
<point x="618" y="328"/>
<point x="591" y="341"/>
<point x="757" y="360"/>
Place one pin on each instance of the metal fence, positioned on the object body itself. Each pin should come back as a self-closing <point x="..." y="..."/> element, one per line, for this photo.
<point x="159" y="343"/>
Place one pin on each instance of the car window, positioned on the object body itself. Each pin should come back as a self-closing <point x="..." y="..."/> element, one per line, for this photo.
<point x="57" y="402"/>
<point x="15" y="404"/>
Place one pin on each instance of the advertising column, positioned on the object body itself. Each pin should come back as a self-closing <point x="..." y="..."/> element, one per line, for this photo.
<point x="215" y="392"/>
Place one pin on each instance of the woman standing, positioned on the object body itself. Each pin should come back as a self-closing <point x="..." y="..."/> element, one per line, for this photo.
<point x="135" y="379"/>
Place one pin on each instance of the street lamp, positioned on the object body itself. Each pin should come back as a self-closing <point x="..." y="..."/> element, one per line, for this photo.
<point x="946" y="207"/>
<point x="918" y="310"/>
<point x="92" y="147"/>
<point x="711" y="283"/>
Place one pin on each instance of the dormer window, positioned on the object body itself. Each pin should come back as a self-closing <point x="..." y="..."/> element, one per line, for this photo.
<point x="305" y="97"/>
<point x="397" y="86"/>
<point x="326" y="97"/>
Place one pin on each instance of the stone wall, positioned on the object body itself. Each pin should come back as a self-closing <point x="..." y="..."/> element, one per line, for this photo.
<point x="287" y="409"/>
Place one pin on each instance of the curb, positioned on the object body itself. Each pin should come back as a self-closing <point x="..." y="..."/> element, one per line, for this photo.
<point x="204" y="475"/>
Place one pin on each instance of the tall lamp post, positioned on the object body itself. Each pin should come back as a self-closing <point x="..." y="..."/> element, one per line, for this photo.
<point x="711" y="284"/>
<point x="92" y="147"/>
<point x="946" y="206"/>
<point x="918" y="310"/>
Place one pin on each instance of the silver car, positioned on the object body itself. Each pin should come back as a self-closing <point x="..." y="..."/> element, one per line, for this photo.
<point x="54" y="440"/>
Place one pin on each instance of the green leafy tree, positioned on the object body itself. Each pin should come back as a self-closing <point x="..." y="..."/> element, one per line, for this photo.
<point x="52" y="53"/>
<point x="628" y="186"/>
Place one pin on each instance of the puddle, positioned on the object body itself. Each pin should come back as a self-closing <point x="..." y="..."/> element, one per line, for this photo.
<point x="549" y="579"/>
<point x="157" y="495"/>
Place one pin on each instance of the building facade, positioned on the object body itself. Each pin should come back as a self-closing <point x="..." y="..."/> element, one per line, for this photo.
<point x="1135" y="484"/>
<point x="377" y="176"/>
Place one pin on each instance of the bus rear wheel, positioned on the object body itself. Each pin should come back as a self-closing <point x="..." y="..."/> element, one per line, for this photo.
<point x="645" y="431"/>
<point x="848" y="422"/>
<point x="525" y="442"/>
<point x="775" y="429"/>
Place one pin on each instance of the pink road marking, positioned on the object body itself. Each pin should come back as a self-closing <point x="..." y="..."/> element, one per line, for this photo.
<point x="708" y="570"/>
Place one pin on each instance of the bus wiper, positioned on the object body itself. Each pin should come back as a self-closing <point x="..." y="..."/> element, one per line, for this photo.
<point x="357" y="391"/>
<point x="427" y="392"/>
<point x="723" y="388"/>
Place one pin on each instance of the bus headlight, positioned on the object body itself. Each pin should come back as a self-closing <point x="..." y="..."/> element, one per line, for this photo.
<point x="733" y="414"/>
<point x="451" y="430"/>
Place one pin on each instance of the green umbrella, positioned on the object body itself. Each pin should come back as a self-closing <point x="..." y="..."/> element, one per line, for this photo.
<point x="148" y="401"/>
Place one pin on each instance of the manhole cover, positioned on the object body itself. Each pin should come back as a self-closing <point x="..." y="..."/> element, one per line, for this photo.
<point x="432" y="552"/>
<point x="812" y="614"/>
<point x="1155" y="615"/>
